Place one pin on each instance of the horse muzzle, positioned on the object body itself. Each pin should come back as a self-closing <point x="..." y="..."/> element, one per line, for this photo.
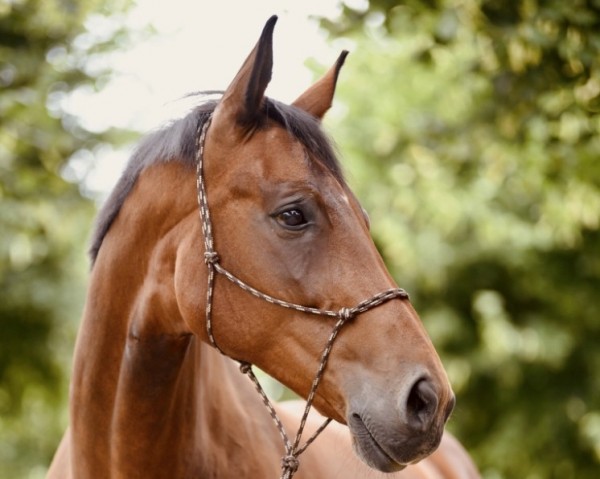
<point x="389" y="435"/>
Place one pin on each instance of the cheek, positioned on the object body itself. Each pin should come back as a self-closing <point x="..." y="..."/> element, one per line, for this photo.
<point x="295" y="262"/>
<point x="245" y="327"/>
<point x="271" y="259"/>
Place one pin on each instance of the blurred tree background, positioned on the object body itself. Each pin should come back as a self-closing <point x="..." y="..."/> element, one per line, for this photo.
<point x="469" y="129"/>
<point x="471" y="132"/>
<point x="46" y="52"/>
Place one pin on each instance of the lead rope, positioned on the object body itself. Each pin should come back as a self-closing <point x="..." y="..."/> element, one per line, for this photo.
<point x="289" y="462"/>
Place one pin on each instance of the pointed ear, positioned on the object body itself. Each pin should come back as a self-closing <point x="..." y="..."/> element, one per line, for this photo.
<point x="242" y="101"/>
<point x="318" y="98"/>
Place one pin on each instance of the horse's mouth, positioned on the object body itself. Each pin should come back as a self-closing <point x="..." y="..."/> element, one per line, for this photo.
<point x="369" y="449"/>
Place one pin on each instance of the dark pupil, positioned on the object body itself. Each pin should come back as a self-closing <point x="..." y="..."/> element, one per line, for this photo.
<point x="292" y="218"/>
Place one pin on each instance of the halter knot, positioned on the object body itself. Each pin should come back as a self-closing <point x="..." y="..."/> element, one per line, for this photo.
<point x="245" y="368"/>
<point x="290" y="464"/>
<point x="211" y="257"/>
<point x="346" y="314"/>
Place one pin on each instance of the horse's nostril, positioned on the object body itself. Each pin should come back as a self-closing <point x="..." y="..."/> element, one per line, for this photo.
<point x="421" y="405"/>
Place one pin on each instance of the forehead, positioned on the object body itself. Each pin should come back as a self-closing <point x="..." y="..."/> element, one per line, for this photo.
<point x="282" y="157"/>
<point x="307" y="130"/>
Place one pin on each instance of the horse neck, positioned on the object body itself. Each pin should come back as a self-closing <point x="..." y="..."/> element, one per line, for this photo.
<point x="147" y="394"/>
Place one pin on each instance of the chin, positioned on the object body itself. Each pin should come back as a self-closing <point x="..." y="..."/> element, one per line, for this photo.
<point x="385" y="453"/>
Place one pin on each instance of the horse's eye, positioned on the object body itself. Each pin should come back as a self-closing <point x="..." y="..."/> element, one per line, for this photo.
<point x="293" y="218"/>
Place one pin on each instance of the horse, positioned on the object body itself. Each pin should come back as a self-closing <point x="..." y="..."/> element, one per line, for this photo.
<point x="232" y="240"/>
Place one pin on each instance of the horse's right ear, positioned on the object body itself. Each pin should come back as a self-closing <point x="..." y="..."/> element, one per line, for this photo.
<point x="241" y="105"/>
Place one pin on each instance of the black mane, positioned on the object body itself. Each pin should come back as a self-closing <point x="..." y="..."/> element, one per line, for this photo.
<point x="177" y="142"/>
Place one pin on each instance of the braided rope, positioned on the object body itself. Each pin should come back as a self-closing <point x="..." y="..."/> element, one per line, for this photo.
<point x="289" y="462"/>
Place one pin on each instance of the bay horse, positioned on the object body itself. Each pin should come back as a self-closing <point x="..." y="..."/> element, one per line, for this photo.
<point x="232" y="240"/>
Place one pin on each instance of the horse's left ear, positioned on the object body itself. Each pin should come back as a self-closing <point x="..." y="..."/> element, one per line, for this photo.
<point x="242" y="101"/>
<point x="319" y="97"/>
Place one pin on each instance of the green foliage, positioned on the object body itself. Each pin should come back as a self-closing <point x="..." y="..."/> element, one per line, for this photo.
<point x="471" y="133"/>
<point x="45" y="53"/>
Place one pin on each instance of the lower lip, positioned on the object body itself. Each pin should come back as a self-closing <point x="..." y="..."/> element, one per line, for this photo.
<point x="384" y="462"/>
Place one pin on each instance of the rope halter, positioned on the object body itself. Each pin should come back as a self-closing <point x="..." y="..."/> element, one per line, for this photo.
<point x="289" y="462"/>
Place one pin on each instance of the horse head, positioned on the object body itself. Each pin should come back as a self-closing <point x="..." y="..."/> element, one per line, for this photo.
<point x="285" y="221"/>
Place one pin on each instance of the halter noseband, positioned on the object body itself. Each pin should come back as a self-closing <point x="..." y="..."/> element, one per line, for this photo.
<point x="289" y="462"/>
